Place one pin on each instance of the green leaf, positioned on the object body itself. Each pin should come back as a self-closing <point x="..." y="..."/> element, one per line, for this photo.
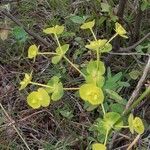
<point x="94" y="73"/>
<point x="58" y="92"/>
<point x="77" y="19"/>
<point x="145" y="5"/>
<point x="96" y="79"/>
<point x="134" y="74"/>
<point x="52" y="82"/>
<point x="115" y="96"/>
<point x="107" y="123"/>
<point x="20" y="34"/>
<point x="66" y="113"/>
<point x="56" y="88"/>
<point x="107" y="48"/>
<point x="123" y="84"/>
<point x="112" y="82"/>
<point x="88" y="25"/>
<point x="56" y="59"/>
<point x="105" y="7"/>
<point x="92" y="67"/>
<point x="61" y="51"/>
<point x="68" y="34"/>
<point x="54" y="30"/>
<point x="89" y="107"/>
<point x="111" y="118"/>
<point x="117" y="108"/>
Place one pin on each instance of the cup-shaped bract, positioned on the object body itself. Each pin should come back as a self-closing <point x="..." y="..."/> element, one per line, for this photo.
<point x="38" y="98"/>
<point x="91" y="93"/>
<point x="88" y="25"/>
<point x="98" y="146"/>
<point x="54" y="30"/>
<point x="138" y="125"/>
<point x="120" y="30"/>
<point x="56" y="89"/>
<point x="130" y="122"/>
<point x="27" y="79"/>
<point x="32" y="51"/>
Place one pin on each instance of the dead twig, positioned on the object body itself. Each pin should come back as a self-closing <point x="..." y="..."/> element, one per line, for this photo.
<point x="139" y="85"/>
<point x="33" y="34"/>
<point x="134" y="142"/>
<point x="135" y="44"/>
<point x="128" y="54"/>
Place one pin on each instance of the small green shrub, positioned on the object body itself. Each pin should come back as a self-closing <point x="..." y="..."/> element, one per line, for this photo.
<point x="95" y="88"/>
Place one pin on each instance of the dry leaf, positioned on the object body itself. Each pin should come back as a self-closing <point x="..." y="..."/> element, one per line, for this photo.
<point x="4" y="34"/>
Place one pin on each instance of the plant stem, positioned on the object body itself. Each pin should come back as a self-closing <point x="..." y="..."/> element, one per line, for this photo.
<point x="39" y="84"/>
<point x="97" y="51"/>
<point x="106" y="137"/>
<point x="59" y="45"/>
<point x="98" y="57"/>
<point x="93" y="34"/>
<point x="67" y="58"/>
<point x="47" y="86"/>
<point x="122" y="126"/>
<point x="112" y="37"/>
<point x="47" y="53"/>
<point x="74" y="66"/>
<point x="103" y="109"/>
<point x="68" y="89"/>
<point x="5" y="112"/>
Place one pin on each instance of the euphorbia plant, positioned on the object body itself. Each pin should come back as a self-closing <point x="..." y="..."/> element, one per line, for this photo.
<point x="91" y="91"/>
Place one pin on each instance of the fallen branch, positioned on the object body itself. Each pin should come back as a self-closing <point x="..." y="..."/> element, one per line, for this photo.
<point x="135" y="44"/>
<point x="139" y="85"/>
<point x="128" y="54"/>
<point x="33" y="34"/>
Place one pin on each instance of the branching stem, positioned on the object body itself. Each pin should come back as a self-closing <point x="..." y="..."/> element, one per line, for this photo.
<point x="47" y="86"/>
<point x="47" y="53"/>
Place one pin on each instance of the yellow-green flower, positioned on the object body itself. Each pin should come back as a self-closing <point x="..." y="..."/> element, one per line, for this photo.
<point x="94" y="45"/>
<point x="27" y="79"/>
<point x="120" y="30"/>
<point x="98" y="146"/>
<point x="39" y="98"/>
<point x="130" y="121"/>
<point x="88" y="25"/>
<point x="54" y="30"/>
<point x="138" y="125"/>
<point x="135" y="124"/>
<point x="32" y="51"/>
<point x="92" y="94"/>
